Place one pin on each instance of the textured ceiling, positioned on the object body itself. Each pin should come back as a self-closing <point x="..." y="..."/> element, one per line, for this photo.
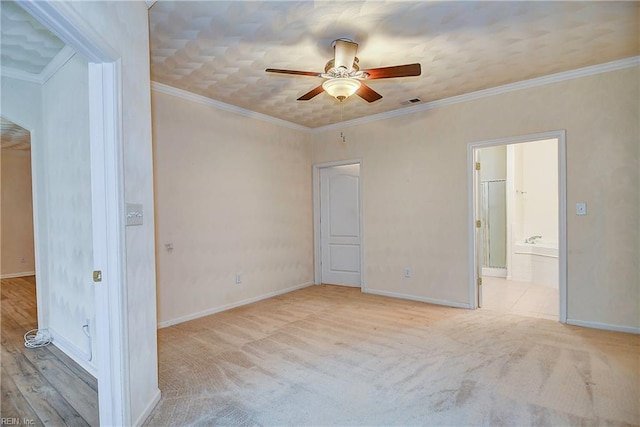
<point x="13" y="137"/>
<point x="220" y="49"/>
<point x="25" y="45"/>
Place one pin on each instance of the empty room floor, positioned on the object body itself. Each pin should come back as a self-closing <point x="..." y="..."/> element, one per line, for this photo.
<point x="330" y="355"/>
<point x="40" y="386"/>
<point x="522" y="298"/>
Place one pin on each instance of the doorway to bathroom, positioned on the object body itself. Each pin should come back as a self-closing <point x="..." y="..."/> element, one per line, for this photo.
<point x="519" y="241"/>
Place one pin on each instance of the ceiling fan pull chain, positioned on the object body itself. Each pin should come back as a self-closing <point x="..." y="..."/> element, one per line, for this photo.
<point x="343" y="138"/>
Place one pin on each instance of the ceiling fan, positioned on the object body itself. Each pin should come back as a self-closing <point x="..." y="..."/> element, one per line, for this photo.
<point x="344" y="77"/>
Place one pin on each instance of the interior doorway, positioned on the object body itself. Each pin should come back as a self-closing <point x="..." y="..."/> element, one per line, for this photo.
<point x="338" y="223"/>
<point x="17" y="247"/>
<point x="106" y="206"/>
<point x="518" y="202"/>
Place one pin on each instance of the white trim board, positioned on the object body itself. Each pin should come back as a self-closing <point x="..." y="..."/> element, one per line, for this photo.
<point x="190" y="96"/>
<point x="76" y="354"/>
<point x="12" y="73"/>
<point x="61" y="58"/>
<point x="604" y="326"/>
<point x="148" y="409"/>
<point x="485" y="93"/>
<point x="226" y="307"/>
<point x="14" y="275"/>
<point x="442" y="302"/>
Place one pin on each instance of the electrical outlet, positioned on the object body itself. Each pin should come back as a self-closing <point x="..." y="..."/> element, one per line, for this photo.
<point x="22" y="260"/>
<point x="238" y="278"/>
<point x="581" y="208"/>
<point x="134" y="214"/>
<point x="407" y="272"/>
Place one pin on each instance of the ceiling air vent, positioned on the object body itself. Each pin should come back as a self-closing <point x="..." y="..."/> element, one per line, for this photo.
<point x="411" y="101"/>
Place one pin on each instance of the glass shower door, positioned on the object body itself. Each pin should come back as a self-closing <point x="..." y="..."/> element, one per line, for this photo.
<point x="494" y="198"/>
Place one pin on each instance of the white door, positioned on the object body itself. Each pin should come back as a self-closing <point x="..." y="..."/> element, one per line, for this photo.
<point x="340" y="224"/>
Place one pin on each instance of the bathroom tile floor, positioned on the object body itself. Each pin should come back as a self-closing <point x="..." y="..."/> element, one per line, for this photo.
<point x="523" y="298"/>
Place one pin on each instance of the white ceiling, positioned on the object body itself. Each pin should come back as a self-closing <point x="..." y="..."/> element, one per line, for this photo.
<point x="26" y="46"/>
<point x="220" y="49"/>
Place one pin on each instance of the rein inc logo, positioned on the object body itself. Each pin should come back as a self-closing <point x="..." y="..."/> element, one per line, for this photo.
<point x="14" y="421"/>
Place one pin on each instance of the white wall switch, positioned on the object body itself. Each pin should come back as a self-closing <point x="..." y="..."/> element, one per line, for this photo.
<point x="581" y="208"/>
<point x="238" y="278"/>
<point x="407" y="272"/>
<point x="134" y="214"/>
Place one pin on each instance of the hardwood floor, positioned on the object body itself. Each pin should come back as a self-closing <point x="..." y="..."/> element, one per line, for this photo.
<point x="40" y="386"/>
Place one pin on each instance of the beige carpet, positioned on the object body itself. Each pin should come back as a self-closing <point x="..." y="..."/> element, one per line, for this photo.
<point x="328" y="355"/>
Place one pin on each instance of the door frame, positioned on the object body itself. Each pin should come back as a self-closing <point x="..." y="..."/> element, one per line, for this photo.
<point x="107" y="194"/>
<point x="560" y="136"/>
<point x="317" y="246"/>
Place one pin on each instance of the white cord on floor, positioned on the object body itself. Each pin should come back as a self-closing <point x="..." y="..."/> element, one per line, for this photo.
<point x="37" y="338"/>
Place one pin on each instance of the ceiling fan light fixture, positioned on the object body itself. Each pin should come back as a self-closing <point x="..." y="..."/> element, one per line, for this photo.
<point x="341" y="88"/>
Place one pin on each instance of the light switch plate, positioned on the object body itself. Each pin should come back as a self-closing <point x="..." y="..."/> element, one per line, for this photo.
<point x="134" y="214"/>
<point x="581" y="208"/>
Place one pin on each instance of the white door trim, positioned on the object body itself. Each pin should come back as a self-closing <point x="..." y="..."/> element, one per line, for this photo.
<point x="317" y="250"/>
<point x="107" y="187"/>
<point x="560" y="135"/>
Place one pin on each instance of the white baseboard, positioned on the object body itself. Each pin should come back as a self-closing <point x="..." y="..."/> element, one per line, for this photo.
<point x="417" y="298"/>
<point x="77" y="355"/>
<point x="605" y="326"/>
<point x="13" y="275"/>
<point x="148" y="409"/>
<point x="225" y="307"/>
<point x="494" y="272"/>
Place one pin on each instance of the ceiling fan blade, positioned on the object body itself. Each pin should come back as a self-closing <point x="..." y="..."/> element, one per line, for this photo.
<point x="297" y="73"/>
<point x="368" y="94"/>
<point x="344" y="54"/>
<point x="307" y="96"/>
<point x="407" y="70"/>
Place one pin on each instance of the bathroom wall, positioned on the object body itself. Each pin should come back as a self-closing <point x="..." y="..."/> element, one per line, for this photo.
<point x="494" y="163"/>
<point x="536" y="188"/>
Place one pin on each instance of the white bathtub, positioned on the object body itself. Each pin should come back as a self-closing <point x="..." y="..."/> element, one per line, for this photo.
<point x="536" y="263"/>
<point x="540" y="248"/>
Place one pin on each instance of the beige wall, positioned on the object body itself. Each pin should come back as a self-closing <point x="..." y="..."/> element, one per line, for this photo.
<point x="17" y="214"/>
<point x="233" y="194"/>
<point x="415" y="190"/>
<point x="221" y="205"/>
<point x="67" y="212"/>
<point x="124" y="26"/>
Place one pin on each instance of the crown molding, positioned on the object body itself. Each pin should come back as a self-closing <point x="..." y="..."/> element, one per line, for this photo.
<point x="65" y="54"/>
<point x="190" y="96"/>
<point x="62" y="19"/>
<point x="20" y="75"/>
<point x="485" y="93"/>
<point x="61" y="58"/>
